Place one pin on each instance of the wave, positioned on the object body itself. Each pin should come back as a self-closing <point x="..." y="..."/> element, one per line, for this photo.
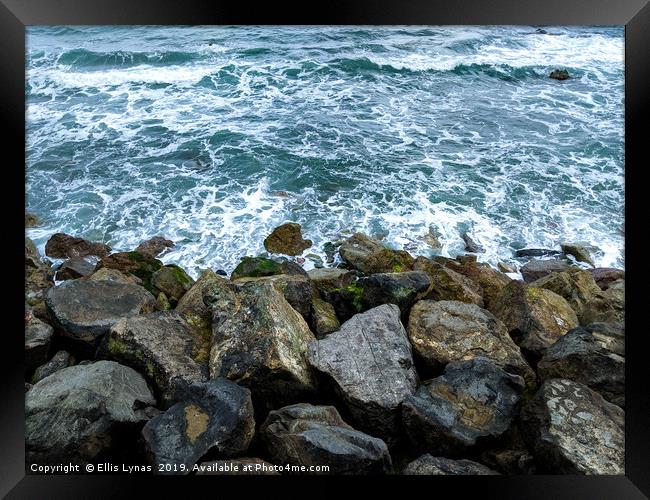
<point x="85" y="58"/>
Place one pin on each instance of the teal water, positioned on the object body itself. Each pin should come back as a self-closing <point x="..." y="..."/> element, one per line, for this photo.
<point x="212" y="136"/>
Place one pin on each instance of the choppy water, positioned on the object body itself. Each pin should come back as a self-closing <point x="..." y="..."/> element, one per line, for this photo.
<point x="190" y="132"/>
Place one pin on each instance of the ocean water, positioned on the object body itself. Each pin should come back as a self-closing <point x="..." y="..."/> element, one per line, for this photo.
<point x="213" y="136"/>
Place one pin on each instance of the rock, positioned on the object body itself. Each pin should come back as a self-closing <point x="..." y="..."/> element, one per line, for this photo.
<point x="316" y="259"/>
<point x="369" y="256"/>
<point x="161" y="346"/>
<point x="171" y="280"/>
<point x="579" y="356"/>
<point x="447" y="331"/>
<point x="610" y="335"/>
<point x="308" y="435"/>
<point x="541" y="31"/>
<point x="431" y="239"/>
<point x="287" y="239"/>
<point x="534" y="317"/>
<point x="37" y="279"/>
<point x="217" y="417"/>
<point x="62" y="246"/>
<point x="154" y="246"/>
<point x="471" y="402"/>
<point x="328" y="279"/>
<point x="260" y="341"/>
<point x="191" y="304"/>
<point x="506" y="268"/>
<point x="577" y="286"/>
<point x="114" y="275"/>
<point x="370" y="364"/>
<point x="78" y="414"/>
<point x="606" y="306"/>
<point x="573" y="430"/>
<point x="32" y="220"/>
<point x="256" y="267"/>
<point x="236" y="467"/>
<point x="490" y="282"/>
<point x="74" y="268"/>
<point x="60" y="360"/>
<point x="401" y="289"/>
<point x="162" y="303"/>
<point x="84" y="310"/>
<point x="580" y="253"/>
<point x="447" y="284"/>
<point x="536" y="268"/>
<point x="606" y="275"/>
<point x="337" y="287"/>
<point x="427" y="465"/>
<point x="559" y="74"/>
<point x="28" y="386"/>
<point x="38" y="337"/>
<point x="324" y="320"/>
<point x="139" y="264"/>
<point x="510" y="461"/>
<point x="536" y="252"/>
<point x="471" y="245"/>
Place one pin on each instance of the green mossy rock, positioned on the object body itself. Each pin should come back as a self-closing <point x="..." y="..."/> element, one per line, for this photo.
<point x="369" y="256"/>
<point x="171" y="280"/>
<point x="139" y="264"/>
<point x="287" y="239"/>
<point x="447" y="284"/>
<point x="577" y="286"/>
<point x="257" y="267"/>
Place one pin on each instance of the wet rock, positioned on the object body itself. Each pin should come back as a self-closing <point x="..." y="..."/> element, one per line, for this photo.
<point x="191" y="304"/>
<point x="62" y="246"/>
<point x="84" y="310"/>
<point x="161" y="346"/>
<point x="106" y="274"/>
<point x="338" y="287"/>
<point x="60" y="360"/>
<point x="573" y="430"/>
<point x="534" y="317"/>
<point x="536" y="268"/>
<point x="245" y="466"/>
<point x="73" y="269"/>
<point x="490" y="282"/>
<point x="506" y="268"/>
<point x="324" y="320"/>
<point x="471" y="402"/>
<point x="32" y="220"/>
<point x="471" y="245"/>
<point x="606" y="306"/>
<point x="401" y="289"/>
<point x="77" y="413"/>
<point x="216" y="417"/>
<point x="581" y="357"/>
<point x="139" y="264"/>
<point x="287" y="239"/>
<point x="154" y="246"/>
<point x="256" y="267"/>
<point x="431" y="239"/>
<point x="580" y="253"/>
<point x="316" y="259"/>
<point x="428" y="465"/>
<point x="308" y="435"/>
<point x="369" y="256"/>
<point x="447" y="284"/>
<point x="37" y="279"/>
<point x="606" y="275"/>
<point x="260" y="341"/>
<point x="448" y="331"/>
<point x="328" y="279"/>
<point x="536" y="252"/>
<point x="38" y="337"/>
<point x="575" y="285"/>
<point x="559" y="74"/>
<point x="610" y="335"/>
<point x="370" y="364"/>
<point x="171" y="280"/>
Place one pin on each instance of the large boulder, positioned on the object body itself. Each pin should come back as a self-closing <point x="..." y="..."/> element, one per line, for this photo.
<point x="38" y="338"/>
<point x="573" y="430"/>
<point x="62" y="359"/>
<point x="534" y="317"/>
<point x="369" y="256"/>
<point x="489" y="280"/>
<point x="260" y="341"/>
<point x="74" y="268"/>
<point x="577" y="286"/>
<point x="79" y="413"/>
<point x="154" y="246"/>
<point x="162" y="346"/>
<point x="610" y="335"/>
<point x="537" y="268"/>
<point x="171" y="280"/>
<point x="257" y="267"/>
<point x="329" y="279"/>
<point x="447" y="331"/>
<point x="244" y="466"/>
<point x="473" y="401"/>
<point x="287" y="239"/>
<point x="370" y="364"/>
<point x="216" y="417"/>
<point x="84" y="310"/>
<point x="307" y="435"/>
<point x="428" y="465"/>
<point x="447" y="284"/>
<point x="579" y="252"/>
<point x="401" y="289"/>
<point x="606" y="306"/>
<point x="64" y="246"/>
<point x="606" y="275"/>
<point x="139" y="264"/>
<point x="581" y="357"/>
<point x="191" y="304"/>
<point x="106" y="274"/>
<point x="338" y="287"/>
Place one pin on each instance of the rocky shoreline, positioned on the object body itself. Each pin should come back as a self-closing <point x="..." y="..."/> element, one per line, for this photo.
<point x="386" y="364"/>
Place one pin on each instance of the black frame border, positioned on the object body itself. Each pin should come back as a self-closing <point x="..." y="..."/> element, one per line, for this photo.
<point x="15" y="15"/>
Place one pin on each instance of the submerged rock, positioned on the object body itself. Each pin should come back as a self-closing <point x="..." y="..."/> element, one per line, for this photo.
<point x="447" y="284"/>
<point x="472" y="401"/>
<point x="427" y="465"/>
<point x="154" y="246"/>
<point x="308" y="435"/>
<point x="171" y="280"/>
<point x="216" y="416"/>
<point x="256" y="267"/>
<point x="287" y="239"/>
<point x="573" y="430"/>
<point x="139" y="264"/>
<point x="576" y="286"/>
<point x="370" y="364"/>
<point x="38" y="337"/>
<point x="536" y="268"/>
<point x="32" y="220"/>
<point x="60" y="360"/>
<point x="559" y="74"/>
<point x="78" y="413"/>
<point x="73" y="269"/>
<point x="580" y="253"/>
<point x="447" y="331"/>
<point x="369" y="256"/>
<point x="62" y="246"/>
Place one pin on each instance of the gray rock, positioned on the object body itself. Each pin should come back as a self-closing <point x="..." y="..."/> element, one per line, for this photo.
<point x="245" y="466"/>
<point x="607" y="306"/>
<point x="77" y="413"/>
<point x="536" y="268"/>
<point x="369" y="256"/>
<point x="308" y="435"/>
<point x="108" y="274"/>
<point x="191" y="304"/>
<point x="401" y="289"/>
<point x="74" y="268"/>
<point x="370" y="363"/>
<point x="610" y="335"/>
<point x="62" y="359"/>
<point x="216" y="416"/>
<point x="427" y="465"/>
<point x="38" y="336"/>
<point x="573" y="430"/>
<point x="581" y="357"/>
<point x="471" y="402"/>
<point x="446" y="331"/>
<point x="163" y="347"/>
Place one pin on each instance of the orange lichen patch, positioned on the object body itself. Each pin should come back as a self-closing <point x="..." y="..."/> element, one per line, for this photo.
<point x="197" y="422"/>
